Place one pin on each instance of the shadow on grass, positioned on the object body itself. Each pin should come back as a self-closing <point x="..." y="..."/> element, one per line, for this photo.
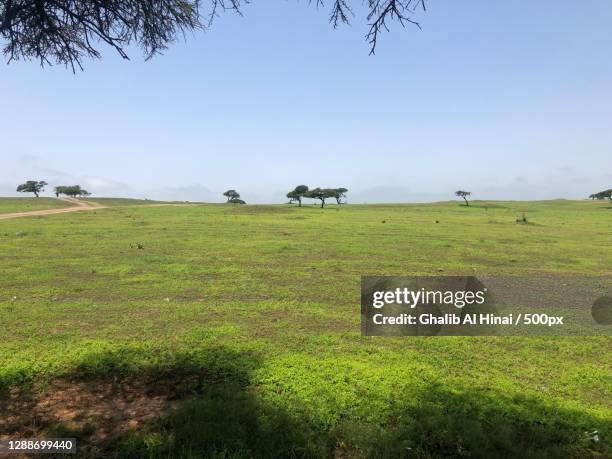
<point x="132" y="403"/>
<point x="203" y="405"/>
<point x="473" y="423"/>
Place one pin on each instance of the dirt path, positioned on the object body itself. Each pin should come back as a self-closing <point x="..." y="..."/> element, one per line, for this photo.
<point x="78" y="206"/>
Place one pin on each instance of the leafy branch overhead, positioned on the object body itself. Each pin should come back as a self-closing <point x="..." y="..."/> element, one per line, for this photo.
<point x="68" y="31"/>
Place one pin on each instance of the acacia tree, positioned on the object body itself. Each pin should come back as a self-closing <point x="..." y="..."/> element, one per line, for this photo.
<point x="72" y="191"/>
<point x="32" y="186"/>
<point x="233" y="197"/>
<point x="293" y="197"/>
<point x="67" y="31"/>
<point x="231" y="194"/>
<point x="60" y="190"/>
<point x="320" y="193"/>
<point x="297" y="194"/>
<point x="464" y="195"/>
<point x="606" y="194"/>
<point x="339" y="193"/>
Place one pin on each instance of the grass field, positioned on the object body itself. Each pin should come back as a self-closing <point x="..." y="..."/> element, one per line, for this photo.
<point x="9" y="205"/>
<point x="118" y="202"/>
<point x="233" y="331"/>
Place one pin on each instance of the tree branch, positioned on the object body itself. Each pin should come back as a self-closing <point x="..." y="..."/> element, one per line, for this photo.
<point x="67" y="31"/>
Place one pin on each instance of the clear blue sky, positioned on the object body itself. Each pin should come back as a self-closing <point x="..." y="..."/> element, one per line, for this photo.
<point x="508" y="100"/>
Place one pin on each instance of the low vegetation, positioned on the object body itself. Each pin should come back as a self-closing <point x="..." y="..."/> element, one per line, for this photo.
<point x="10" y="205"/>
<point x="120" y="202"/>
<point x="233" y="331"/>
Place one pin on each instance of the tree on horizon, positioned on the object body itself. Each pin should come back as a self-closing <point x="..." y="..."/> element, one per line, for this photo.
<point x="32" y="186"/>
<point x="231" y="194"/>
<point x="339" y="193"/>
<point x="297" y="194"/>
<point x="233" y="197"/>
<point x="72" y="191"/>
<point x="321" y="194"/>
<point x="464" y="195"/>
<point x="605" y="194"/>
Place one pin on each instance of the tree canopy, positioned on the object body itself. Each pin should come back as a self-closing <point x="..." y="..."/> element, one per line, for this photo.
<point x="32" y="186"/>
<point x="297" y="194"/>
<point x="605" y="194"/>
<point x="231" y="194"/>
<point x="321" y="194"/>
<point x="68" y="31"/>
<point x="464" y="195"/>
<point x="72" y="191"/>
<point x="233" y="197"/>
<point x="339" y="194"/>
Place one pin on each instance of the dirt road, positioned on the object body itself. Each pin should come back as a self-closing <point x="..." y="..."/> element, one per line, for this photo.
<point x="77" y="207"/>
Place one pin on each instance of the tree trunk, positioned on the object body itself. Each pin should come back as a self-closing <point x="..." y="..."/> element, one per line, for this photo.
<point x="36" y="193"/>
<point x="466" y="201"/>
<point x="322" y="203"/>
<point x="300" y="202"/>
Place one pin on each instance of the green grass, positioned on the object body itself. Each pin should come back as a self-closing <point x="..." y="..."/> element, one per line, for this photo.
<point x="118" y="202"/>
<point x="10" y="205"/>
<point x="251" y="314"/>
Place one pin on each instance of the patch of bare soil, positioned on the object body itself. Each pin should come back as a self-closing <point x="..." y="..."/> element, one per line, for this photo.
<point x="100" y="411"/>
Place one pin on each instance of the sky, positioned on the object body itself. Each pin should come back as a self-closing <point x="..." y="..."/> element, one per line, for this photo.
<point x="506" y="100"/>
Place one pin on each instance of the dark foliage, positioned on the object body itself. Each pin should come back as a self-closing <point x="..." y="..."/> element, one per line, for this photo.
<point x="231" y="195"/>
<point x="72" y="191"/>
<point x="297" y="194"/>
<point x="32" y="186"/>
<point x="464" y="195"/>
<point x="67" y="31"/>
<point x="606" y="194"/>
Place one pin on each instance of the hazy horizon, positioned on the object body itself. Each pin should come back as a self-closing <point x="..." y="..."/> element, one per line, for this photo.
<point x="205" y="195"/>
<point x="508" y="106"/>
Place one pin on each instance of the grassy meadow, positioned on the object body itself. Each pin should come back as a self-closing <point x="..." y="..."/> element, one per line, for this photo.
<point x="10" y="205"/>
<point x="234" y="331"/>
